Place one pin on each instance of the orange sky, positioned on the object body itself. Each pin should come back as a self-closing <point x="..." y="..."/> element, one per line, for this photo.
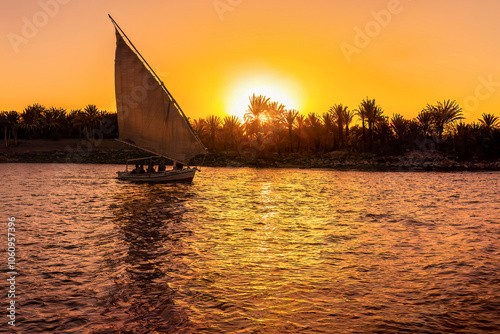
<point x="212" y="54"/>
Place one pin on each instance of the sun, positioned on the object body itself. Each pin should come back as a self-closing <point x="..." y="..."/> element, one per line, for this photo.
<point x="277" y="88"/>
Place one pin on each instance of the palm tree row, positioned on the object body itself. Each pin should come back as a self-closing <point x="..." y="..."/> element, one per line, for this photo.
<point x="36" y="122"/>
<point x="269" y="127"/>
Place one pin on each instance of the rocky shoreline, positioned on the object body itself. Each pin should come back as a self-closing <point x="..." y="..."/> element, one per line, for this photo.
<point x="411" y="161"/>
<point x="113" y="152"/>
<point x="105" y="151"/>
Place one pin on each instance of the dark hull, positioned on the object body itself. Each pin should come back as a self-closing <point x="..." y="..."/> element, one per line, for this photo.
<point x="171" y="176"/>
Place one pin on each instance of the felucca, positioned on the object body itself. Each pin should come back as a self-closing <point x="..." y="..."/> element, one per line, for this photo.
<point x="150" y="119"/>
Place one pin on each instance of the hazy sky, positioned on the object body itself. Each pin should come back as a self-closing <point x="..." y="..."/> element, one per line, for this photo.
<point x="212" y="54"/>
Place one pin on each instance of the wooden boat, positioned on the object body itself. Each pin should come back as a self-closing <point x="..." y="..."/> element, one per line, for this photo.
<point x="149" y="118"/>
<point x="173" y="175"/>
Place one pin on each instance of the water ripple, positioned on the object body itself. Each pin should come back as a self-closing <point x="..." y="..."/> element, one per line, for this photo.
<point x="255" y="251"/>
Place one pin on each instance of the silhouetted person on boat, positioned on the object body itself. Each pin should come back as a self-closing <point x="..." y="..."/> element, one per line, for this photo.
<point x="161" y="167"/>
<point x="151" y="169"/>
<point x="178" y="166"/>
<point x="141" y="169"/>
<point x="135" y="170"/>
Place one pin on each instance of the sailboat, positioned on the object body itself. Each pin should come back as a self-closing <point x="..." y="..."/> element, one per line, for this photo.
<point x="150" y="119"/>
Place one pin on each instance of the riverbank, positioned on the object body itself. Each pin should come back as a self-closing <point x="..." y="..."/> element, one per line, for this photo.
<point x="340" y="160"/>
<point x="104" y="151"/>
<point x="109" y="151"/>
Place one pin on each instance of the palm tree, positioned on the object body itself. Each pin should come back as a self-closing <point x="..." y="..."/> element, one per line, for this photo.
<point x="348" y="118"/>
<point x="313" y="129"/>
<point x="374" y="117"/>
<point x="425" y="119"/>
<point x="250" y="127"/>
<point x="5" y="124"/>
<point x="414" y="130"/>
<point x="31" y="121"/>
<point x="274" y="139"/>
<point x="256" y="109"/>
<point x="444" y="113"/>
<point x="462" y="139"/>
<point x="10" y="121"/>
<point x="329" y="124"/>
<point x="78" y="120"/>
<point x="231" y="130"/>
<point x="67" y="122"/>
<point x="301" y="121"/>
<point x="360" y="112"/>
<point x="108" y="125"/>
<point x="52" y="119"/>
<point x="290" y="117"/>
<point x="13" y="120"/>
<point x="338" y="112"/>
<point x="489" y="121"/>
<point x="91" y="116"/>
<point x="383" y="129"/>
<point x="369" y="110"/>
<point x="400" y="126"/>
<point x="199" y="127"/>
<point x="213" y="123"/>
<point x="276" y="112"/>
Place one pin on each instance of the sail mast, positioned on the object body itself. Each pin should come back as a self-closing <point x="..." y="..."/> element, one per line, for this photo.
<point x="162" y="85"/>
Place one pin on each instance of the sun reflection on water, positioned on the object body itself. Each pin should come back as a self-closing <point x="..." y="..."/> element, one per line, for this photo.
<point x="258" y="251"/>
<point x="316" y="250"/>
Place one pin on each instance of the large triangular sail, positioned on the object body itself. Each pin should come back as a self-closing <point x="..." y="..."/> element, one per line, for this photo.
<point x="148" y="116"/>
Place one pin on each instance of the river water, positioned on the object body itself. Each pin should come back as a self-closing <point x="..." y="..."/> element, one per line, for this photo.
<point x="252" y="251"/>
